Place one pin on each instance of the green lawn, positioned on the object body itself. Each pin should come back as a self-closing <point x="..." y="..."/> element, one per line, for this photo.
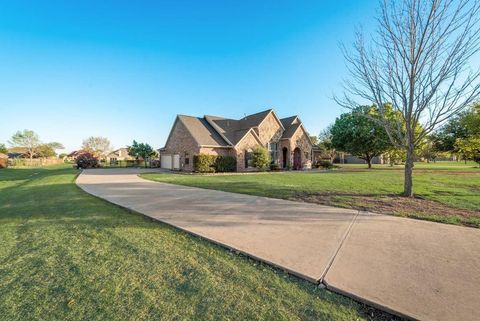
<point x="65" y="255"/>
<point x="449" y="191"/>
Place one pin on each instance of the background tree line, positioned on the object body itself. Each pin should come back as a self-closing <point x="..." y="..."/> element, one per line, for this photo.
<point x="361" y="133"/>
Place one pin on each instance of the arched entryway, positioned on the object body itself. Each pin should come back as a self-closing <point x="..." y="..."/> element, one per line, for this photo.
<point x="297" y="158"/>
<point x="285" y="157"/>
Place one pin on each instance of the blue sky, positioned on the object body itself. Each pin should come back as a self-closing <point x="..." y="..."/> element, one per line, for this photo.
<point x="124" y="69"/>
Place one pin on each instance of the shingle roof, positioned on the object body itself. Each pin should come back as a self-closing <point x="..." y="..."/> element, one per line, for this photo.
<point x="224" y="126"/>
<point x="234" y="130"/>
<point x="290" y="130"/>
<point x="253" y="120"/>
<point x="286" y="122"/>
<point x="220" y="131"/>
<point x="202" y="131"/>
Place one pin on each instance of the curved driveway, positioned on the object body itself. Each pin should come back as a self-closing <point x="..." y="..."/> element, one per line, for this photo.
<point x="419" y="269"/>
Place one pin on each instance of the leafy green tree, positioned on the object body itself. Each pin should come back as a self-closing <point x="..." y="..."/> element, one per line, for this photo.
<point x="48" y="150"/>
<point x="142" y="150"/>
<point x="395" y="155"/>
<point x="261" y="158"/>
<point x="461" y="127"/>
<point x="45" y="150"/>
<point x="314" y="140"/>
<point x="471" y="120"/>
<point x="469" y="148"/>
<point x="359" y="134"/>
<point x="325" y="144"/>
<point x="3" y="149"/>
<point x="428" y="149"/>
<point x="27" y="139"/>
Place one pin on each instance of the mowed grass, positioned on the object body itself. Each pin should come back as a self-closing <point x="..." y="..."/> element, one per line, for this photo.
<point x="66" y="255"/>
<point x="451" y="184"/>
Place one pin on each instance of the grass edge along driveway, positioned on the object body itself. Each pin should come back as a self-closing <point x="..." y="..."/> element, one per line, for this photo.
<point x="68" y="255"/>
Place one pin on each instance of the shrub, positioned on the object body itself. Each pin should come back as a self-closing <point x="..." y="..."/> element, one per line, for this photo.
<point x="204" y="163"/>
<point x="274" y="167"/>
<point x="261" y="158"/>
<point x="155" y="163"/>
<point x="324" y="164"/>
<point x="86" y="160"/>
<point x="211" y="163"/>
<point x="225" y="164"/>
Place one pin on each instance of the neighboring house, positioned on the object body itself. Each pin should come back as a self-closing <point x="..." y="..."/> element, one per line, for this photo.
<point x="17" y="152"/>
<point x="286" y="139"/>
<point x="120" y="154"/>
<point x="71" y="157"/>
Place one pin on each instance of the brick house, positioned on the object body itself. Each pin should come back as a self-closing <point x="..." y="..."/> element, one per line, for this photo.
<point x="120" y="154"/>
<point x="286" y="139"/>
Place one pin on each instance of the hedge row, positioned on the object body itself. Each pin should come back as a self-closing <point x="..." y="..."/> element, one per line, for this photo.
<point x="211" y="163"/>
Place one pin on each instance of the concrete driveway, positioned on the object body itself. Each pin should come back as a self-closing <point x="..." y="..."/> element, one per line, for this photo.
<point x="417" y="269"/>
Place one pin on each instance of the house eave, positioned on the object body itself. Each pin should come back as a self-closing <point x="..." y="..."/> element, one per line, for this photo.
<point x="214" y="146"/>
<point x="253" y="133"/>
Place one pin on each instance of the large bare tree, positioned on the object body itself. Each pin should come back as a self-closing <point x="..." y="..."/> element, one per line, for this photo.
<point x="99" y="146"/>
<point x="419" y="62"/>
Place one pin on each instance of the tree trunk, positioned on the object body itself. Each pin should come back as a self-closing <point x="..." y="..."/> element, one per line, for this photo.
<point x="369" y="161"/>
<point x="408" y="183"/>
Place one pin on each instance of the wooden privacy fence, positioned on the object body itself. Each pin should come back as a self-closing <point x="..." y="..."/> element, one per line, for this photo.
<point x="36" y="162"/>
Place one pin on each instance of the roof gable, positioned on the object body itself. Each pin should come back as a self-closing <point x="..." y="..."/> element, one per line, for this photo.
<point x="200" y="130"/>
<point x="292" y="130"/>
<point x="253" y="120"/>
<point x="233" y="131"/>
<point x="288" y="121"/>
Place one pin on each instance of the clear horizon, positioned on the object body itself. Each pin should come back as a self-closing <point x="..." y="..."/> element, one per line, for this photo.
<point x="123" y="71"/>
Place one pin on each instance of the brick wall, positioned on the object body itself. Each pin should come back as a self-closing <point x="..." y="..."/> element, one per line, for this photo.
<point x="217" y="151"/>
<point x="302" y="141"/>
<point x="182" y="142"/>
<point x="270" y="130"/>
<point x="249" y="142"/>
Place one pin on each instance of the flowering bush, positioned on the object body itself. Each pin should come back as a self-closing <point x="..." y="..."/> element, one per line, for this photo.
<point x="86" y="160"/>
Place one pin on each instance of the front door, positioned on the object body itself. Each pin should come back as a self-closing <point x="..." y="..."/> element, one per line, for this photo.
<point x="297" y="158"/>
<point x="285" y="157"/>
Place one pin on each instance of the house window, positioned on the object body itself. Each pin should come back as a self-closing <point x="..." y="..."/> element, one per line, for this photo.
<point x="248" y="158"/>
<point x="187" y="160"/>
<point x="272" y="148"/>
